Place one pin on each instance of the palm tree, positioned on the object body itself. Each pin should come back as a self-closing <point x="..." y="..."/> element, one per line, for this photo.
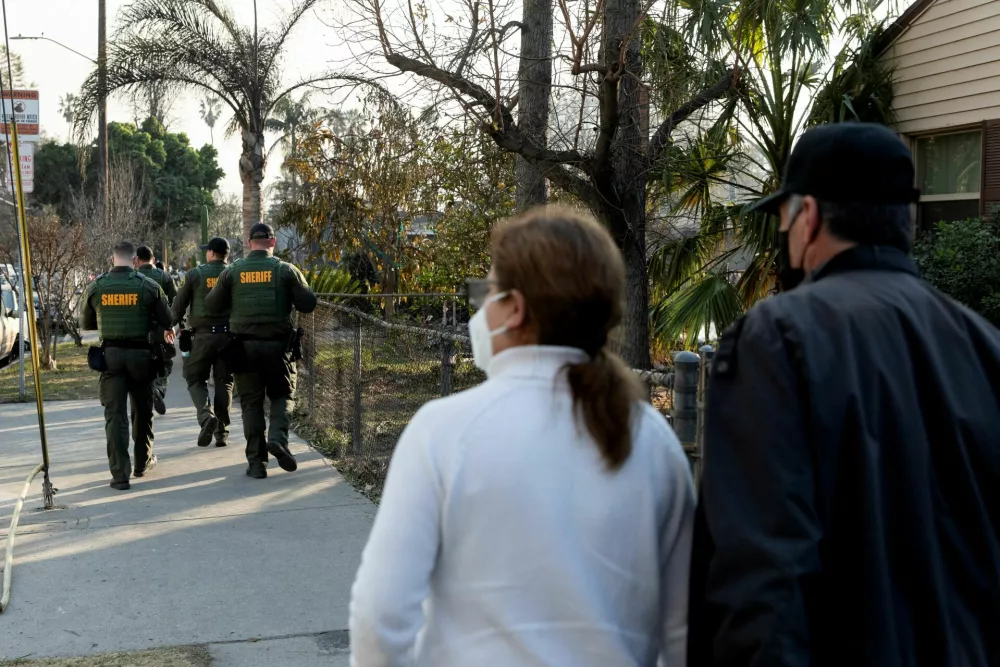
<point x="211" y="109"/>
<point x="709" y="279"/>
<point x="199" y="44"/>
<point x="291" y="119"/>
<point x="67" y="107"/>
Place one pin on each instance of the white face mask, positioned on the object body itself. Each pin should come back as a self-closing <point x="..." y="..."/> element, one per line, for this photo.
<point x="482" y="337"/>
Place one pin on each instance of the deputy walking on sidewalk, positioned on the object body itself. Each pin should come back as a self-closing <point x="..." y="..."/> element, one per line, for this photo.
<point x="144" y="265"/>
<point x="124" y="307"/>
<point x="205" y="337"/>
<point x="260" y="292"/>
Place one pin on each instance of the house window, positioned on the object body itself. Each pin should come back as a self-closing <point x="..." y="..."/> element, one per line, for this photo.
<point x="949" y="177"/>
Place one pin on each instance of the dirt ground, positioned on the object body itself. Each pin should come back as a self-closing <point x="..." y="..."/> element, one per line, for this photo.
<point x="193" y="656"/>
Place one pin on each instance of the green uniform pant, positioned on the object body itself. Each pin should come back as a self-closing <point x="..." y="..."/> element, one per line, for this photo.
<point x="129" y="377"/>
<point x="161" y="382"/>
<point x="270" y="372"/>
<point x="206" y="359"/>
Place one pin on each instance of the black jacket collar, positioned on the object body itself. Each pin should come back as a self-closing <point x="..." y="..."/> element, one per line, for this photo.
<point x="866" y="258"/>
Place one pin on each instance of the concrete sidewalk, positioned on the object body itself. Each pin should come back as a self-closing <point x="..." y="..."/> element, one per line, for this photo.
<point x="194" y="553"/>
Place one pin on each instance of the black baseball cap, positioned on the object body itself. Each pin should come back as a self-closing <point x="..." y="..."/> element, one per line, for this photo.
<point x="847" y="163"/>
<point x="261" y="231"/>
<point x="217" y="245"/>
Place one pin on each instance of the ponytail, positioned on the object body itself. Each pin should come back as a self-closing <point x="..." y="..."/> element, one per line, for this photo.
<point x="604" y="393"/>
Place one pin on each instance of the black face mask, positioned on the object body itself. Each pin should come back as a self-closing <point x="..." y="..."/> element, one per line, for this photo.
<point x="788" y="277"/>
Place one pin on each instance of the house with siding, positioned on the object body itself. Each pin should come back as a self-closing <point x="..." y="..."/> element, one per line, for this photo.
<point x="946" y="58"/>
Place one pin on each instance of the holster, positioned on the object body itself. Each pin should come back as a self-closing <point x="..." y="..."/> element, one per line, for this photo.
<point x="295" y="344"/>
<point x="235" y="355"/>
<point x="185" y="340"/>
<point x="96" y="359"/>
<point x="158" y="360"/>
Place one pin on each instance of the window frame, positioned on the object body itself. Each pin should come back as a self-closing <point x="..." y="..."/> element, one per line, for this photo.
<point x="958" y="196"/>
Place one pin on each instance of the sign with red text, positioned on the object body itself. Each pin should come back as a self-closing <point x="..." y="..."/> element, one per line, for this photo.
<point x="20" y="106"/>
<point x="27" y="152"/>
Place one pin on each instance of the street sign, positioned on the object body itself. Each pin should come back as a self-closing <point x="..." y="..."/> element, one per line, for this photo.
<point x="20" y="106"/>
<point x="27" y="152"/>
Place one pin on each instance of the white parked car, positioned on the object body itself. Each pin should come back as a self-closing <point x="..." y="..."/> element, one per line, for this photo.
<point x="9" y="325"/>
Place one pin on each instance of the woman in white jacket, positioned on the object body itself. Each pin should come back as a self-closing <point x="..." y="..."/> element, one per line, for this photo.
<point x="544" y="517"/>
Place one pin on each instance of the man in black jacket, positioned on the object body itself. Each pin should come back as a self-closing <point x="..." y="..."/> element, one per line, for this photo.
<point x="851" y="494"/>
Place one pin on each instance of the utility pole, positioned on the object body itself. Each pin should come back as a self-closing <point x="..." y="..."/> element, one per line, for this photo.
<point x="102" y="103"/>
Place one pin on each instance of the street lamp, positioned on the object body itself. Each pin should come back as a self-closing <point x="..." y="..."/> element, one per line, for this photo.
<point x="102" y="102"/>
<point x="49" y="39"/>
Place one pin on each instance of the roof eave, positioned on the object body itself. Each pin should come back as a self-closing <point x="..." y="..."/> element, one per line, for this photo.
<point x="900" y="25"/>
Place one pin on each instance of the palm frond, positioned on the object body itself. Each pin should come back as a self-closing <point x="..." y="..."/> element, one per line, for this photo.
<point x="280" y="36"/>
<point x="329" y="280"/>
<point x="672" y="264"/>
<point x="707" y="304"/>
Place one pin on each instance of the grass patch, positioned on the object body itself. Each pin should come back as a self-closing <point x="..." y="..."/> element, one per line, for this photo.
<point x="71" y="380"/>
<point x="186" y="656"/>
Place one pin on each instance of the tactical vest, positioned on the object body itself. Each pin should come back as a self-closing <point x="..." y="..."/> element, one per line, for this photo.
<point x="121" y="311"/>
<point x="157" y="276"/>
<point x="258" y="295"/>
<point x="206" y="274"/>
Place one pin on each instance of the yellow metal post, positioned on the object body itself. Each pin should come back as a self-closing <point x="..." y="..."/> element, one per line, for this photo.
<point x="29" y="297"/>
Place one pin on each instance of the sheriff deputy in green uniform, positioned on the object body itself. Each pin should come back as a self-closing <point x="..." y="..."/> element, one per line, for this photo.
<point x="144" y="264"/>
<point x="125" y="308"/>
<point x="260" y="292"/>
<point x="207" y="335"/>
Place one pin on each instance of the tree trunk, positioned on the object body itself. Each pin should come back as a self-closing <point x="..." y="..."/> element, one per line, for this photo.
<point x="623" y="184"/>
<point x="534" y="91"/>
<point x="389" y="289"/>
<point x="44" y="350"/>
<point x="252" y="163"/>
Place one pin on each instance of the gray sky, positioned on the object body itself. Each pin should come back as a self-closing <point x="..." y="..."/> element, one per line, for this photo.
<point x="56" y="71"/>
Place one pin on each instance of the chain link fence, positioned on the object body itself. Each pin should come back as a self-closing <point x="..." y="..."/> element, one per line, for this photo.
<point x="362" y="378"/>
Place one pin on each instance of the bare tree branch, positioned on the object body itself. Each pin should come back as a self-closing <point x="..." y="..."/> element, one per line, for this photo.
<point x="713" y="92"/>
<point x="505" y="131"/>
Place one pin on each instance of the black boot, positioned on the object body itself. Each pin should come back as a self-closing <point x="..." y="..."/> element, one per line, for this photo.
<point x="284" y="456"/>
<point x="256" y="471"/>
<point x="207" y="431"/>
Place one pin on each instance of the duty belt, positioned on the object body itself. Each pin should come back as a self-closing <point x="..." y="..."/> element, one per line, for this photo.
<point x="272" y="339"/>
<point x="217" y="329"/>
<point x="127" y="343"/>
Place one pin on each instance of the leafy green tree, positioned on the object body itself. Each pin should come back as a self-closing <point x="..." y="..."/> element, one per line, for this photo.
<point x="59" y="176"/>
<point x="474" y="190"/>
<point x="200" y="45"/>
<point x="962" y="259"/>
<point x="176" y="178"/>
